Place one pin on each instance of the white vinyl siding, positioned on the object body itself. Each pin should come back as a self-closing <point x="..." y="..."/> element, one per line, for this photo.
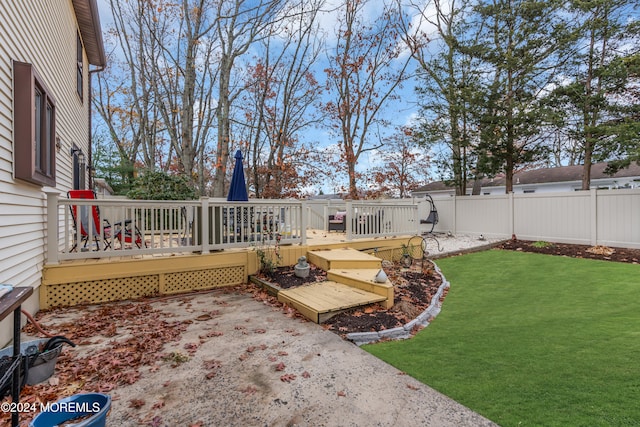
<point x="42" y="33"/>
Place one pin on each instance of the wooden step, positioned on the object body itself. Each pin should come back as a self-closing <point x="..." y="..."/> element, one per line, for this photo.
<point x="323" y="300"/>
<point x="363" y="278"/>
<point x="343" y="258"/>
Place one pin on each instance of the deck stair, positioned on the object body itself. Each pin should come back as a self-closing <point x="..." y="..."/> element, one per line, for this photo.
<point x="350" y="283"/>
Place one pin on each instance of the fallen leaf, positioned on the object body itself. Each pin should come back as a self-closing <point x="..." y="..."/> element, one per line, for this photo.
<point x="211" y="364"/>
<point x="287" y="378"/>
<point x="280" y="366"/>
<point x="249" y="389"/>
<point x="136" y="403"/>
<point x="341" y="393"/>
<point x="191" y="347"/>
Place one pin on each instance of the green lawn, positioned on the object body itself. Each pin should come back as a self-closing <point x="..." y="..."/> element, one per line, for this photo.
<point x="533" y="340"/>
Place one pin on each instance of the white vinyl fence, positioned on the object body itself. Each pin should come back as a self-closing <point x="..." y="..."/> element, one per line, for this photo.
<point x="596" y="217"/>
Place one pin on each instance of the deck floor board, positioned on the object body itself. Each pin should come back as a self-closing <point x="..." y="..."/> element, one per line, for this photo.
<point x="329" y="296"/>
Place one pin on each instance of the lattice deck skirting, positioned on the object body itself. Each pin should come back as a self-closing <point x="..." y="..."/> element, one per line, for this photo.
<point x="123" y="288"/>
<point x="203" y="279"/>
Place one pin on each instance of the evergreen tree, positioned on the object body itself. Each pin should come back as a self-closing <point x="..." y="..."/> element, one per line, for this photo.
<point x="520" y="44"/>
<point x="600" y="104"/>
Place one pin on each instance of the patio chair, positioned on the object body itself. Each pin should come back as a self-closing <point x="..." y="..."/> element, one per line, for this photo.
<point x="104" y="231"/>
<point x="432" y="218"/>
<point x="91" y="228"/>
<point x="128" y="234"/>
<point x="338" y="222"/>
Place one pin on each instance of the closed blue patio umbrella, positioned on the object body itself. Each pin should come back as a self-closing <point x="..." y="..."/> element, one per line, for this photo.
<point x="238" y="188"/>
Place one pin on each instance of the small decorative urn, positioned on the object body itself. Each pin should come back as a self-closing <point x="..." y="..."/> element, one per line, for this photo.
<point x="302" y="268"/>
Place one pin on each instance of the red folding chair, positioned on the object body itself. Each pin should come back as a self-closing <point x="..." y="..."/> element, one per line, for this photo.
<point x="91" y="228"/>
<point x="96" y="226"/>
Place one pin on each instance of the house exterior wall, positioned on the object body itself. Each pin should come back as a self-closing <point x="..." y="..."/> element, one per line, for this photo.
<point x="42" y="33"/>
<point x="610" y="183"/>
<point x="554" y="187"/>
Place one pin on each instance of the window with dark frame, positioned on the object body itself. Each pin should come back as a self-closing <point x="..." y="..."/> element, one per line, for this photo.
<point x="79" y="64"/>
<point x="34" y="127"/>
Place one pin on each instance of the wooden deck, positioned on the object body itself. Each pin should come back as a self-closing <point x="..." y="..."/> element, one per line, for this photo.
<point x="351" y="284"/>
<point x="320" y="301"/>
<point x="343" y="258"/>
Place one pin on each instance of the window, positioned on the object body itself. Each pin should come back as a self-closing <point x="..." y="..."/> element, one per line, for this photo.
<point x="34" y="118"/>
<point x="79" y="64"/>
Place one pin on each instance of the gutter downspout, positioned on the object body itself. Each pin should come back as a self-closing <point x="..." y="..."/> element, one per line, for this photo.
<point x="90" y="134"/>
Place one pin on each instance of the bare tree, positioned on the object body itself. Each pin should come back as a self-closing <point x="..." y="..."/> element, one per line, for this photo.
<point x="282" y="91"/>
<point x="164" y="85"/>
<point x="404" y="167"/>
<point x="186" y="72"/>
<point x="365" y="69"/>
<point x="122" y="96"/>
<point x="239" y="24"/>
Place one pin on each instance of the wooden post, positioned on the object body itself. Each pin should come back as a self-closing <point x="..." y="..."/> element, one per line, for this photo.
<point x="53" y="225"/>
<point x="206" y="223"/>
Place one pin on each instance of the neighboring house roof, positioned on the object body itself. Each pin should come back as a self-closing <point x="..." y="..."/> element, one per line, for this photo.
<point x="542" y="176"/>
<point x="91" y="31"/>
<point x="562" y="174"/>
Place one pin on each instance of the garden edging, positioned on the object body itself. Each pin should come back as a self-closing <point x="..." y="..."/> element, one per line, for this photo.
<point x="404" y="332"/>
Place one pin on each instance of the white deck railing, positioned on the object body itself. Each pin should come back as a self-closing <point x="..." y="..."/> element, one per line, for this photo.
<point x="374" y="219"/>
<point x="122" y="227"/>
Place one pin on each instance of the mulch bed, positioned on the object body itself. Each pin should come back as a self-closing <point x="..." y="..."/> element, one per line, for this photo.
<point x="285" y="277"/>
<point x="604" y="253"/>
